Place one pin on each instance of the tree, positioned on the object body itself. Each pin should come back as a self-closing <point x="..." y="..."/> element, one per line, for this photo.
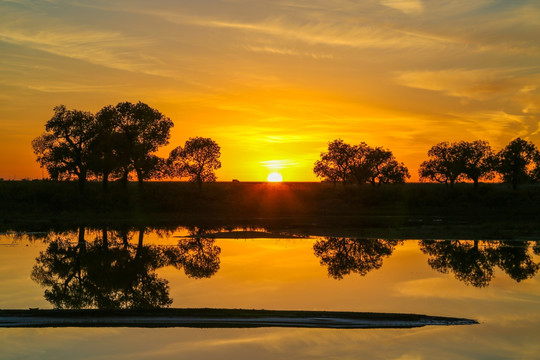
<point x="108" y="147"/>
<point x="335" y="165"/>
<point x="359" y="163"/>
<point x="197" y="160"/>
<point x="477" y="160"/>
<point x="517" y="163"/>
<point x="444" y="166"/>
<point x="379" y="166"/>
<point x="140" y="130"/>
<point x="64" y="149"/>
<point x="458" y="161"/>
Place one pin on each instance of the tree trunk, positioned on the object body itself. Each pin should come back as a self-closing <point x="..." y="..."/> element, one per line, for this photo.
<point x="140" y="244"/>
<point x="82" y="181"/>
<point x="82" y="242"/>
<point x="105" y="181"/>
<point x="124" y="179"/>
<point x="140" y="177"/>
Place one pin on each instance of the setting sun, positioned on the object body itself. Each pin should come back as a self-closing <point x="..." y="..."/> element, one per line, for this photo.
<point x="274" y="177"/>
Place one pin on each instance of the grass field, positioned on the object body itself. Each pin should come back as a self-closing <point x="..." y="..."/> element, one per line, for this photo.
<point x="492" y="210"/>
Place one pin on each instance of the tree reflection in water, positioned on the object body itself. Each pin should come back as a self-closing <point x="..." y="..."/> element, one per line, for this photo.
<point x="345" y="255"/>
<point x="197" y="255"/>
<point x="473" y="262"/>
<point x="113" y="272"/>
<point x="107" y="273"/>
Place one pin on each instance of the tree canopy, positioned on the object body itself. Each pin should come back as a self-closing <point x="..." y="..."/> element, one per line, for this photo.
<point x="64" y="149"/>
<point x="458" y="161"/>
<point x="359" y="163"/>
<point x="118" y="140"/>
<point x="197" y="160"/>
<point x="135" y="131"/>
<point x="519" y="162"/>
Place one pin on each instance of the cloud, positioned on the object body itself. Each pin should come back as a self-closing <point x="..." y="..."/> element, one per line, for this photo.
<point x="109" y="49"/>
<point x="406" y="6"/>
<point x="475" y="84"/>
<point x="285" y="51"/>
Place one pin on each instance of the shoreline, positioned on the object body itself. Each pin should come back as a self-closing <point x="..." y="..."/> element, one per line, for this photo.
<point x="219" y="318"/>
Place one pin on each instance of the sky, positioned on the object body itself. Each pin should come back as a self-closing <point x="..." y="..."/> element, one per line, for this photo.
<point x="273" y="82"/>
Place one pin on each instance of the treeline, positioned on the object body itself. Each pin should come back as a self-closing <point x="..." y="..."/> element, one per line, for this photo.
<point x="448" y="163"/>
<point x="119" y="141"/>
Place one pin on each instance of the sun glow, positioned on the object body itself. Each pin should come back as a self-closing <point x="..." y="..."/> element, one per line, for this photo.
<point x="274" y="177"/>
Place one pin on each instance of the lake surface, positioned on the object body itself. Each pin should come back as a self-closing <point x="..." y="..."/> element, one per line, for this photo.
<point x="494" y="282"/>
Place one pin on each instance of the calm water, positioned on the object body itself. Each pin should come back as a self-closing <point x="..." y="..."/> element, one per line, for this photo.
<point x="496" y="283"/>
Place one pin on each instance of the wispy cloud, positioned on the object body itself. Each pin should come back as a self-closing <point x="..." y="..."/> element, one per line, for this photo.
<point x="469" y="83"/>
<point x="109" y="49"/>
<point x="407" y="6"/>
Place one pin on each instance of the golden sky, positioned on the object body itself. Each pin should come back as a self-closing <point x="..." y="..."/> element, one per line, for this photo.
<point x="272" y="82"/>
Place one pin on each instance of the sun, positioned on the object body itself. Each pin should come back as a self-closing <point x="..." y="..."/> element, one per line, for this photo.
<point x="274" y="177"/>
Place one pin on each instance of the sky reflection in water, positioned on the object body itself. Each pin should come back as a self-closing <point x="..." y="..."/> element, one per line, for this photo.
<point x="493" y="282"/>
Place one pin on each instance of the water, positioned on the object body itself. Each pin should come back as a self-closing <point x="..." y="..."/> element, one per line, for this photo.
<point x="493" y="282"/>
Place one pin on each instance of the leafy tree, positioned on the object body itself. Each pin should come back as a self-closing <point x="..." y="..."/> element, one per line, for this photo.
<point x="444" y="166"/>
<point x="360" y="163"/>
<point x="477" y="160"/>
<point x="140" y="130"/>
<point x="197" y="160"/>
<point x="64" y="149"/>
<point x="108" y="147"/>
<point x="458" y="161"/>
<point x="344" y="255"/>
<point x="517" y="162"/>
<point x="378" y="166"/>
<point x="336" y="164"/>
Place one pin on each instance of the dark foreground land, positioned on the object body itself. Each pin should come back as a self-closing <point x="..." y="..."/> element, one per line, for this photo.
<point x="493" y="211"/>
<point x="219" y="318"/>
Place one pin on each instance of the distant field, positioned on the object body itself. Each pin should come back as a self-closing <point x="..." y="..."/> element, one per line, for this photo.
<point x="494" y="210"/>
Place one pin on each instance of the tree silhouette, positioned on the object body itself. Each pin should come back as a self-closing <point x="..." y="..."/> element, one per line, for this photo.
<point x="517" y="162"/>
<point x="344" y="255"/>
<point x="64" y="148"/>
<point x="108" y="273"/>
<point x="109" y="147"/>
<point x="477" y="160"/>
<point x="336" y="164"/>
<point x="444" y="165"/>
<point x="514" y="259"/>
<point x="473" y="262"/>
<point x="359" y="163"/>
<point x="461" y="160"/>
<point x="198" y="256"/>
<point x="141" y="131"/>
<point x="198" y="160"/>
<point x="378" y="166"/>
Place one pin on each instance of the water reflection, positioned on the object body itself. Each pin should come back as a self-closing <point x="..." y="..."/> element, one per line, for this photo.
<point x="112" y="271"/>
<point x="198" y="255"/>
<point x="345" y="255"/>
<point x="108" y="273"/>
<point x="473" y="262"/>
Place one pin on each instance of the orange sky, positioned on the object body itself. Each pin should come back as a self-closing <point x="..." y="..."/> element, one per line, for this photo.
<point x="272" y="82"/>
